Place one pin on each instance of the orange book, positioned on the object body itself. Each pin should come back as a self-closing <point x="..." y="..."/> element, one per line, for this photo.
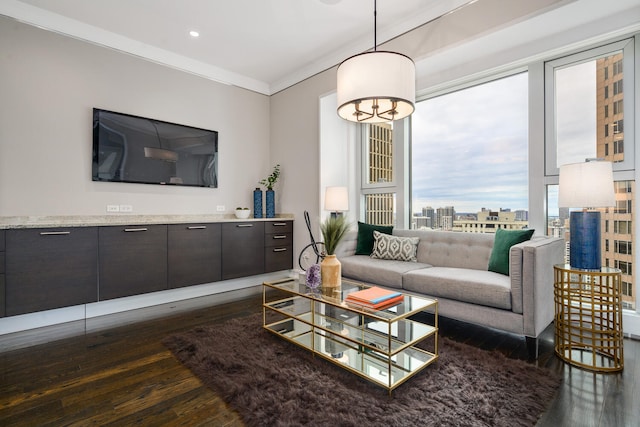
<point x="373" y="295"/>
<point x="384" y="304"/>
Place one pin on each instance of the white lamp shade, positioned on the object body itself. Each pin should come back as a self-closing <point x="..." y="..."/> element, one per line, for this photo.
<point x="379" y="78"/>
<point x="586" y="185"/>
<point x="336" y="199"/>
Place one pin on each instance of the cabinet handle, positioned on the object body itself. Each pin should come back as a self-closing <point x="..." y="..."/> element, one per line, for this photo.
<point x="279" y="249"/>
<point x="197" y="227"/>
<point x="280" y="236"/>
<point x="55" y="233"/>
<point x="244" y="225"/>
<point x="279" y="224"/>
<point x="132" y="230"/>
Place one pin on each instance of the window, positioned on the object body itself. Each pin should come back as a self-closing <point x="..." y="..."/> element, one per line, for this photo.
<point x="618" y="147"/>
<point x="381" y="190"/>
<point x="617" y="67"/>
<point x="380" y="209"/>
<point x="627" y="289"/>
<point x="622" y="227"/>
<point x="624" y="266"/>
<point x="582" y="126"/>
<point x="460" y="180"/>
<point x="617" y="87"/>
<point x="622" y="247"/>
<point x="617" y="107"/>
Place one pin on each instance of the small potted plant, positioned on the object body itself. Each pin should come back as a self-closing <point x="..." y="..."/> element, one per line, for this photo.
<point x="269" y="182"/>
<point x="242" y="213"/>
<point x="333" y="230"/>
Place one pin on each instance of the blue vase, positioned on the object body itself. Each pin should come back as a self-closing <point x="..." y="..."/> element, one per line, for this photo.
<point x="271" y="204"/>
<point x="257" y="203"/>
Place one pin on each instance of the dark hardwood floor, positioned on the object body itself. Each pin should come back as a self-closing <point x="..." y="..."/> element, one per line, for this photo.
<point x="115" y="371"/>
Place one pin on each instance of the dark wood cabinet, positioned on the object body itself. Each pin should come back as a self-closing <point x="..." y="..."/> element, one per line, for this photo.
<point x="50" y="268"/>
<point x="242" y="249"/>
<point x="133" y="260"/>
<point x="43" y="269"/>
<point x="2" y="279"/>
<point x="278" y="241"/>
<point x="194" y="254"/>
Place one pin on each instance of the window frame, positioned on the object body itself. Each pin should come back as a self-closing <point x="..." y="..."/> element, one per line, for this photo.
<point x="625" y="46"/>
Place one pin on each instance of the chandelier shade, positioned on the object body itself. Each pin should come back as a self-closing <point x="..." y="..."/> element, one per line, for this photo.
<point x="375" y="87"/>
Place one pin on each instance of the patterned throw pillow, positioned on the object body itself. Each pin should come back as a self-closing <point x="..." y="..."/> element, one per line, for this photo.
<point x="397" y="248"/>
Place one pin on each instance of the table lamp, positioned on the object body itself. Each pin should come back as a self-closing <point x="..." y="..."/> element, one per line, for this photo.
<point x="336" y="200"/>
<point x="586" y="185"/>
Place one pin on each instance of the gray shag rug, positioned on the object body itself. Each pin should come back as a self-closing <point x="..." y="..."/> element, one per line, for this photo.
<point x="271" y="382"/>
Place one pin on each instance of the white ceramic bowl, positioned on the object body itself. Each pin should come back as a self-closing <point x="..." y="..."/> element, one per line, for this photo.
<point x="243" y="213"/>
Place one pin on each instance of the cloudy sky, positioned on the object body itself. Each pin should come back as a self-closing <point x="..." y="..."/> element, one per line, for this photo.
<point x="470" y="147"/>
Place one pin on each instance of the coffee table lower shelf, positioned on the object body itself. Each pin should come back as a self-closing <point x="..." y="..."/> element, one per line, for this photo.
<point x="380" y="367"/>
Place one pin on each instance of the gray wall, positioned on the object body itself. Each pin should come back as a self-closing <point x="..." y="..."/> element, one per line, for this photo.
<point x="48" y="86"/>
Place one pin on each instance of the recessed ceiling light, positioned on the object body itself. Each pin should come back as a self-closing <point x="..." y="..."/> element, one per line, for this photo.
<point x="194" y="33"/>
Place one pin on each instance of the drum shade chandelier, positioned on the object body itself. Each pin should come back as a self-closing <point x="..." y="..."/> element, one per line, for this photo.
<point x="376" y="86"/>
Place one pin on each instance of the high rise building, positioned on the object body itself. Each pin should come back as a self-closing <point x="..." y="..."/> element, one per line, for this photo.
<point x="488" y="221"/>
<point x="618" y="234"/>
<point x="444" y="218"/>
<point x="379" y="208"/>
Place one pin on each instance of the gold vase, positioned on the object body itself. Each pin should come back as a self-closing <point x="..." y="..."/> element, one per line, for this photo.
<point x="331" y="275"/>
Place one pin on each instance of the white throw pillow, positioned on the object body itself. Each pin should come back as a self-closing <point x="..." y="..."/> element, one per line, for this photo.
<point x="386" y="246"/>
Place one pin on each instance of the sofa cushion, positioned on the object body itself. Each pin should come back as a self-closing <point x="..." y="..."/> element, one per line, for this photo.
<point x="474" y="286"/>
<point x="377" y="271"/>
<point x="365" y="236"/>
<point x="397" y="248"/>
<point x="504" y="239"/>
<point x="451" y="249"/>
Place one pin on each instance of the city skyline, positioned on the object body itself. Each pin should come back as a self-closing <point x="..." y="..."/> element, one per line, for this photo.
<point x="493" y="171"/>
<point x="448" y="170"/>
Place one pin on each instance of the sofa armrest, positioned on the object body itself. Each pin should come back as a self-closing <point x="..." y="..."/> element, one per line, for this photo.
<point x="538" y="258"/>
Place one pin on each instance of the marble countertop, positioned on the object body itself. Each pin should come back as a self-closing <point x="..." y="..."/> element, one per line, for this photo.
<point x="11" y="222"/>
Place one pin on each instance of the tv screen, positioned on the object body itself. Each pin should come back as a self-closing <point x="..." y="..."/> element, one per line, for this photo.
<point x="135" y="149"/>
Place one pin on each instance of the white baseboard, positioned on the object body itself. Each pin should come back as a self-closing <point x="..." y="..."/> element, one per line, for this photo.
<point x="41" y="319"/>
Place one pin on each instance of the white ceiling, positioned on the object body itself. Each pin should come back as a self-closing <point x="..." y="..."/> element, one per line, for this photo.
<point x="264" y="45"/>
<point x="261" y="45"/>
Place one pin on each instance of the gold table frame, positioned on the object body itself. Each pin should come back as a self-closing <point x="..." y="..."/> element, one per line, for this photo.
<point x="588" y="318"/>
<point x="378" y="345"/>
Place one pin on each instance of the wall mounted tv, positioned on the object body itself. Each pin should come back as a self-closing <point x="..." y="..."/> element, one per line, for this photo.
<point x="135" y="149"/>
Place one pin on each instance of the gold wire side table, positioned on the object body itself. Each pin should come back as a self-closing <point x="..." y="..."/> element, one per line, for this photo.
<point x="588" y="318"/>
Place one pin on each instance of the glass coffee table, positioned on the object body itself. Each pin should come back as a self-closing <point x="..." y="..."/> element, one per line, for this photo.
<point x="378" y="345"/>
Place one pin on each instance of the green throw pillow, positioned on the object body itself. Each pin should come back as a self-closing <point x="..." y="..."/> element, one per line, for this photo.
<point x="365" y="236"/>
<point x="504" y="239"/>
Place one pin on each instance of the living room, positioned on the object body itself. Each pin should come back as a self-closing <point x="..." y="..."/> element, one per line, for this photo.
<point x="50" y="82"/>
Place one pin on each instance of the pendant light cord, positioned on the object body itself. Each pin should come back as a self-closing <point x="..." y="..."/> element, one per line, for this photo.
<point x="375" y="18"/>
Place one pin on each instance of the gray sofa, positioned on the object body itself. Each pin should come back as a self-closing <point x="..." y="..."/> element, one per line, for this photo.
<point x="452" y="267"/>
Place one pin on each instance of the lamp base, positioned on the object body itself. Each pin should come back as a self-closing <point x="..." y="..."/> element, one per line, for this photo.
<point x="584" y="246"/>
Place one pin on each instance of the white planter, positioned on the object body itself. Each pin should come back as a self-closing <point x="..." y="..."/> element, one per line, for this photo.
<point x="242" y="213"/>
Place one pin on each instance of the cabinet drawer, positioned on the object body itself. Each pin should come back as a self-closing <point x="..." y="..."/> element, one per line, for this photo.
<point x="278" y="258"/>
<point x="2" y="240"/>
<point x="278" y="227"/>
<point x="1" y="262"/>
<point x="278" y="239"/>
<point x="242" y="249"/>
<point x="194" y="254"/>
<point x="2" y="286"/>
<point x="133" y="260"/>
<point x="50" y="268"/>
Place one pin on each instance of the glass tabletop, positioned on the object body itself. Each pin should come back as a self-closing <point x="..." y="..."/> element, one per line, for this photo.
<point x="410" y="304"/>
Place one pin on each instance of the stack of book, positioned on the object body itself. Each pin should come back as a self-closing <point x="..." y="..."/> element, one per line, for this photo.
<point x="375" y="298"/>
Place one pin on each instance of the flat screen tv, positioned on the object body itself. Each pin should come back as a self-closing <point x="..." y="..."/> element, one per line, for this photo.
<point x="136" y="149"/>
